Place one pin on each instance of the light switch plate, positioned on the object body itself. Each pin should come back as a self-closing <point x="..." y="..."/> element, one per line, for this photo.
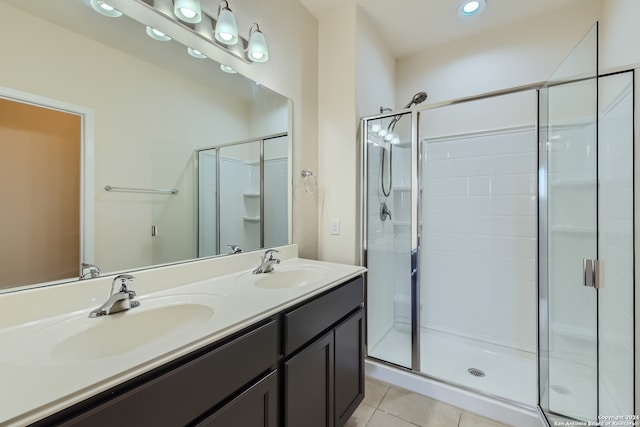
<point x="335" y="226"/>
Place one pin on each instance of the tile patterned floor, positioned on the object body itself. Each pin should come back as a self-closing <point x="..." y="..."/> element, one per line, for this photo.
<point x="385" y="405"/>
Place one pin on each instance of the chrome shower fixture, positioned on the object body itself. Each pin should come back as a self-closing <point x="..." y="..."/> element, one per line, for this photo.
<point x="418" y="98"/>
<point x="390" y="136"/>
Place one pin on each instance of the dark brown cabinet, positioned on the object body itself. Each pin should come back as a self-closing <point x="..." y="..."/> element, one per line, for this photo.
<point x="324" y="377"/>
<point x="301" y="367"/>
<point x="349" y="366"/>
<point x="256" y="407"/>
<point x="309" y="385"/>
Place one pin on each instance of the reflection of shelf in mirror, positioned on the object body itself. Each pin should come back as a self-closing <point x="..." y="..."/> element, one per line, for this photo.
<point x="572" y="229"/>
<point x="573" y="183"/>
<point x="249" y="194"/>
<point x="402" y="188"/>
<point x="251" y="218"/>
<point x="403" y="144"/>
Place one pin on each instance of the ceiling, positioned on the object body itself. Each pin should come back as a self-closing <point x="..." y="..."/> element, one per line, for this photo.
<point x="410" y="26"/>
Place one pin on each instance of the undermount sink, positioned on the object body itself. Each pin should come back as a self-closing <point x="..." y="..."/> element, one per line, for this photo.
<point x="81" y="338"/>
<point x="289" y="277"/>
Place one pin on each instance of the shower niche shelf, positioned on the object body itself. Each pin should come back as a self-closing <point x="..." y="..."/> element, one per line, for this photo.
<point x="251" y="218"/>
<point x="250" y="194"/>
<point x="572" y="229"/>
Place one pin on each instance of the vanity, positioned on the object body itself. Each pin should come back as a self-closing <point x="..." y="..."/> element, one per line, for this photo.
<point x="211" y="344"/>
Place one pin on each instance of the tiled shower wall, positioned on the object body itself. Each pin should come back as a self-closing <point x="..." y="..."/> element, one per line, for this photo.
<point x="276" y="217"/>
<point x="478" y="260"/>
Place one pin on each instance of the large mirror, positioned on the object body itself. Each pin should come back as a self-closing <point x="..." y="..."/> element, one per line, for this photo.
<point x="145" y="111"/>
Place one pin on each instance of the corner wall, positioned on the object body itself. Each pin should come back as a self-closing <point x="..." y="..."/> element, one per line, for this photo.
<point x="515" y="55"/>
<point x="356" y="78"/>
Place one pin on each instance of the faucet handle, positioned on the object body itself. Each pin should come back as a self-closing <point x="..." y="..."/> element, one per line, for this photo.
<point x="268" y="255"/>
<point x="121" y="283"/>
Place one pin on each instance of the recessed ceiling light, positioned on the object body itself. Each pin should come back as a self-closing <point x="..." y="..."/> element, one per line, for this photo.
<point x="470" y="8"/>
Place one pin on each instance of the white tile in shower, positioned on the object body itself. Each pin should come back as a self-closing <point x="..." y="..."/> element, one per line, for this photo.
<point x="479" y="242"/>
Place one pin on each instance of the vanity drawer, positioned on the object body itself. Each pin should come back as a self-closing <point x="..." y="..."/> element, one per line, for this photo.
<point x="188" y="391"/>
<point x="309" y="320"/>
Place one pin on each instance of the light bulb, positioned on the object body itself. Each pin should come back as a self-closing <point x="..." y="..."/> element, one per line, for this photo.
<point x="187" y="10"/>
<point x="376" y="126"/>
<point x="196" y="53"/>
<point x="257" y="49"/>
<point x="382" y="132"/>
<point x="227" y="69"/>
<point x="471" y="8"/>
<point x="226" y="31"/>
<point x="157" y="34"/>
<point x="388" y="137"/>
<point x="105" y="9"/>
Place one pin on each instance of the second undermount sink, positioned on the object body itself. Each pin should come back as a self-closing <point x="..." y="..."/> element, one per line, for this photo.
<point x="290" y="277"/>
<point x="156" y="319"/>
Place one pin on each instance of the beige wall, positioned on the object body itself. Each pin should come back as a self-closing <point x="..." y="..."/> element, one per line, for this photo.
<point x="620" y="33"/>
<point x="515" y="55"/>
<point x="76" y="71"/>
<point x="143" y="115"/>
<point x="337" y="142"/>
<point x="292" y="70"/>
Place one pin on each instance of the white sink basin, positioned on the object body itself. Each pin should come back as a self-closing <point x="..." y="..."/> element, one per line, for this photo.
<point x="287" y="277"/>
<point x="81" y="338"/>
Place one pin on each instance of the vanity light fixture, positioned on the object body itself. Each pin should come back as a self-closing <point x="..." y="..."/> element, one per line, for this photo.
<point x="196" y="53"/>
<point x="105" y="9"/>
<point x="157" y="34"/>
<point x="227" y="69"/>
<point x="188" y="10"/>
<point x="469" y="8"/>
<point x="226" y="28"/>
<point x="257" y="49"/>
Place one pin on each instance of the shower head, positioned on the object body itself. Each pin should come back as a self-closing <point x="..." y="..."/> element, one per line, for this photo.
<point x="417" y="99"/>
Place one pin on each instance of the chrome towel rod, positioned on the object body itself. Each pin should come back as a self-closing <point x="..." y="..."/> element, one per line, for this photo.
<point x="142" y="190"/>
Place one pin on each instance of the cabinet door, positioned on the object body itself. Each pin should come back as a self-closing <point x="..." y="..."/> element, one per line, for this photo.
<point x="349" y="366"/>
<point x="256" y="407"/>
<point x="309" y="385"/>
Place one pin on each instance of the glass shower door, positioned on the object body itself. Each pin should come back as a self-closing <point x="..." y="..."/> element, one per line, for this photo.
<point x="388" y="226"/>
<point x="568" y="236"/>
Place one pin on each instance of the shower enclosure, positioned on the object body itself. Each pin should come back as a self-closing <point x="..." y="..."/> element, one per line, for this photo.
<point x="242" y="195"/>
<point x="484" y="219"/>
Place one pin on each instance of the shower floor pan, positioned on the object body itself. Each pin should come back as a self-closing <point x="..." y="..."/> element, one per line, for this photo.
<point x="508" y="373"/>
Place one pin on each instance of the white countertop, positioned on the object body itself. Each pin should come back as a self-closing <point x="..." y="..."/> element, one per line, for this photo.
<point x="41" y="372"/>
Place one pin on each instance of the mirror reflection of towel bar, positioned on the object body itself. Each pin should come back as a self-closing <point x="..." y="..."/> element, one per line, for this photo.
<point x="142" y="190"/>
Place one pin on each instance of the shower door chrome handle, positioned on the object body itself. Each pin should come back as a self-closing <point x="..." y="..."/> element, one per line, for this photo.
<point x="593" y="273"/>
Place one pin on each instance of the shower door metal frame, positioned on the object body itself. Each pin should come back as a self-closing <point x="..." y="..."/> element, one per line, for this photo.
<point x="416" y="176"/>
<point x="416" y="242"/>
<point x="262" y="141"/>
<point x="543" y="227"/>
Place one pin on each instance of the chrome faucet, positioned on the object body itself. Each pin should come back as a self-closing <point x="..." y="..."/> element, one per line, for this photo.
<point x="267" y="263"/>
<point x="235" y="249"/>
<point x="121" y="298"/>
<point x="89" y="271"/>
